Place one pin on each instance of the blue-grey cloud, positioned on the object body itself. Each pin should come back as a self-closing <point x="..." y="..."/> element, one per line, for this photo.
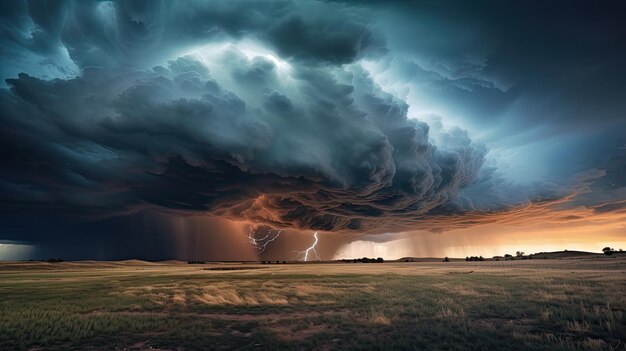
<point x="324" y="148"/>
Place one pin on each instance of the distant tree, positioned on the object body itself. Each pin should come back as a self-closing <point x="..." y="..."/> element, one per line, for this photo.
<point x="446" y="259"/>
<point x="480" y="258"/>
<point x="284" y="262"/>
<point x="608" y="251"/>
<point x="519" y="253"/>
<point x="467" y="258"/>
<point x="380" y="260"/>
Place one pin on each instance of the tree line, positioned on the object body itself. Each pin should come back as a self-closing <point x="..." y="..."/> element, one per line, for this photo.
<point x="363" y="260"/>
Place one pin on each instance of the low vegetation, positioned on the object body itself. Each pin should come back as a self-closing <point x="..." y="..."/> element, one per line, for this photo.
<point x="609" y="251"/>
<point x="570" y="305"/>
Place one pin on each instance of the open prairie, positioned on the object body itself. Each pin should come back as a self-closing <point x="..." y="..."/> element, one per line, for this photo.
<point x="554" y="304"/>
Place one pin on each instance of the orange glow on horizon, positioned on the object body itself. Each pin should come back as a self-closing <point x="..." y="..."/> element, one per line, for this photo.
<point x="492" y="240"/>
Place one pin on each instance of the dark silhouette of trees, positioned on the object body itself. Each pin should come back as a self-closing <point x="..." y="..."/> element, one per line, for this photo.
<point x="364" y="260"/>
<point x="608" y="251"/>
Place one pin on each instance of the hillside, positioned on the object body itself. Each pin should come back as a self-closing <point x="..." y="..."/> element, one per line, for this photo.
<point x="564" y="254"/>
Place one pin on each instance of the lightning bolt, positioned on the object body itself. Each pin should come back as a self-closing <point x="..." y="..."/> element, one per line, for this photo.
<point x="312" y="250"/>
<point x="261" y="243"/>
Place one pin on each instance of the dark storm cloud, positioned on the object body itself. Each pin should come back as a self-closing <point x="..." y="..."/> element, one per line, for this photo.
<point x="112" y="108"/>
<point x="139" y="33"/>
<point x="343" y="155"/>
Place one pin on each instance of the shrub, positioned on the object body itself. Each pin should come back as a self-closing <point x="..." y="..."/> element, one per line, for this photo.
<point x="608" y="251"/>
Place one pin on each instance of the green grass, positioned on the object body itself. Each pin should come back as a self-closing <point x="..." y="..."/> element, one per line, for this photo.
<point x="428" y="307"/>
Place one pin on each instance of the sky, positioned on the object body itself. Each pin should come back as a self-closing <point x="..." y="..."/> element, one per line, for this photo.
<point x="236" y="130"/>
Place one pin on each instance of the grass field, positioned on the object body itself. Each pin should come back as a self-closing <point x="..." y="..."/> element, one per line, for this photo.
<point x="576" y="304"/>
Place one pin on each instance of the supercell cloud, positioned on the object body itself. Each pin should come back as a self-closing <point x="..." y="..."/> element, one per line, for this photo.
<point x="293" y="115"/>
<point x="296" y="146"/>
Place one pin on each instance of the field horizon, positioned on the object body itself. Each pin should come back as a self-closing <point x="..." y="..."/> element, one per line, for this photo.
<point x="561" y="254"/>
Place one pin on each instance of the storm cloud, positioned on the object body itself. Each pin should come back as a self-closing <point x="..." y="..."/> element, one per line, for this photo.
<point x="297" y="115"/>
<point x="317" y="148"/>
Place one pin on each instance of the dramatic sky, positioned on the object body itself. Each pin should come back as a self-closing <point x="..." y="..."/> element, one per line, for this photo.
<point x="197" y="129"/>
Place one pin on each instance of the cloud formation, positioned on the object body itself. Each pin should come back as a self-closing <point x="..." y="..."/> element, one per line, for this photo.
<point x="312" y="147"/>
<point x="281" y="114"/>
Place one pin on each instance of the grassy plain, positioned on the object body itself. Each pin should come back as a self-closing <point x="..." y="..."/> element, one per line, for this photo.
<point x="574" y="304"/>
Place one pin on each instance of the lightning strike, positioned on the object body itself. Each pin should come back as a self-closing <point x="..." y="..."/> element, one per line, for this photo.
<point x="312" y="249"/>
<point x="261" y="243"/>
